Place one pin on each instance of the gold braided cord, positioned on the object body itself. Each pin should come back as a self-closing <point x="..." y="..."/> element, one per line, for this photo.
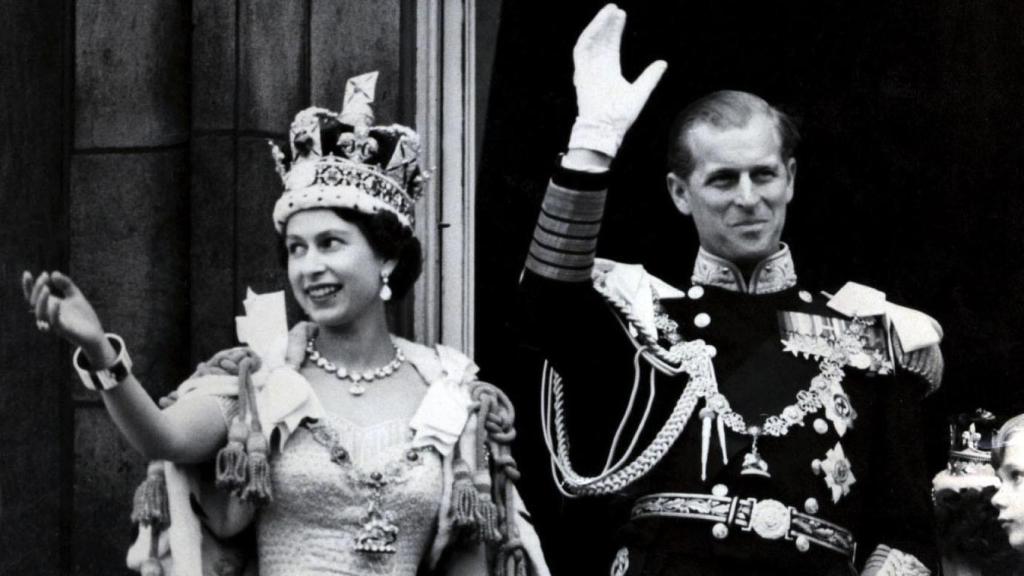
<point x="693" y="358"/>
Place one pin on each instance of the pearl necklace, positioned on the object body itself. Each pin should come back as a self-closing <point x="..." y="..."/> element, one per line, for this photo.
<point x="356" y="378"/>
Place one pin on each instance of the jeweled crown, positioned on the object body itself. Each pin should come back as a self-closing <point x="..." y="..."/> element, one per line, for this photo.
<point x="340" y="160"/>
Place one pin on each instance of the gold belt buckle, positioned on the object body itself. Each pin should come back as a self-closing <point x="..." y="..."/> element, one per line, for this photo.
<point x="770" y="519"/>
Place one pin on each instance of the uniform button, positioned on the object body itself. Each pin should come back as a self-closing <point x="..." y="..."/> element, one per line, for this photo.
<point x="701" y="320"/>
<point x="712" y="351"/>
<point x="803" y="544"/>
<point x="820" y="426"/>
<point x="695" y="292"/>
<point x="719" y="490"/>
<point x="816" y="466"/>
<point x="720" y="531"/>
<point x="811" y="506"/>
<point x="805" y="296"/>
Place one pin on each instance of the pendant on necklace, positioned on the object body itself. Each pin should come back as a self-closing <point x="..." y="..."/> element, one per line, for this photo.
<point x="377" y="531"/>
<point x="753" y="464"/>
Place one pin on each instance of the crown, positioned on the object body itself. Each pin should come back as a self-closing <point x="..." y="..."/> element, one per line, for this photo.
<point x="340" y="160"/>
<point x="970" y="440"/>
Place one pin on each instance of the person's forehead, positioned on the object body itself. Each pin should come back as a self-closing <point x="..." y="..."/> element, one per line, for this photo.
<point x="316" y="220"/>
<point x="1013" y="455"/>
<point x="754" y="143"/>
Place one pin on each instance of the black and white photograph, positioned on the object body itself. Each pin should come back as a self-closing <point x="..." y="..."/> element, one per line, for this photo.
<point x="511" y="288"/>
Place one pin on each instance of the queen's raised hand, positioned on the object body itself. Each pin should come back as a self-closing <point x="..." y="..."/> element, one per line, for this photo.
<point x="59" y="307"/>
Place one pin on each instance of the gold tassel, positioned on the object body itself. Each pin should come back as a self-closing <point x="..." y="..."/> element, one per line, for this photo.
<point x="149" y="506"/>
<point x="487" y="517"/>
<point x="464" y="495"/>
<point x="258" y="489"/>
<point x="232" y="462"/>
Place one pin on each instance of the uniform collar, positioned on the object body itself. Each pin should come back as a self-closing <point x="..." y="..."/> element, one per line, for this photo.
<point x="773" y="274"/>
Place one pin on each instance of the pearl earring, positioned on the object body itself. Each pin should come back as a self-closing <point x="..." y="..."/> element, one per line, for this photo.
<point x="385" y="290"/>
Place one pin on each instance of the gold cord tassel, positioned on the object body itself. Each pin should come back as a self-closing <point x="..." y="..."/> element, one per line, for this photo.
<point x="149" y="506"/>
<point x="464" y="495"/>
<point x="257" y="489"/>
<point x="150" y="509"/>
<point x="232" y="462"/>
<point x="487" y="517"/>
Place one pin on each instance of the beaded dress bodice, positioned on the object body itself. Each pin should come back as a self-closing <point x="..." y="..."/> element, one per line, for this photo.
<point x="332" y="482"/>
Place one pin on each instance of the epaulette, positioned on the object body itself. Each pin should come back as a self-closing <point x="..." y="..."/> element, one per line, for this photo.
<point x="634" y="294"/>
<point x="917" y="335"/>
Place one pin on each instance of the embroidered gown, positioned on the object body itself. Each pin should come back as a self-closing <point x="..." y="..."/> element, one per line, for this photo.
<point x="321" y="504"/>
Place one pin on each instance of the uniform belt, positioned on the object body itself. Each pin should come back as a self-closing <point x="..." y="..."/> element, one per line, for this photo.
<point x="769" y="519"/>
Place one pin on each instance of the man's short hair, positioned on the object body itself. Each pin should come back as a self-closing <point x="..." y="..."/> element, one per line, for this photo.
<point x="725" y="109"/>
<point x="1012" y="426"/>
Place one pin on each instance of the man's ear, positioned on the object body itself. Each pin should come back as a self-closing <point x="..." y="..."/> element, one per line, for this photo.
<point x="679" y="191"/>
<point x="791" y="169"/>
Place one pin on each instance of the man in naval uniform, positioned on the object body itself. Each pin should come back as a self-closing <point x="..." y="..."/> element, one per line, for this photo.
<point x="743" y="424"/>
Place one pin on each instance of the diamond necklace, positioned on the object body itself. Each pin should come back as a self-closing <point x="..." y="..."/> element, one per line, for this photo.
<point x="356" y="378"/>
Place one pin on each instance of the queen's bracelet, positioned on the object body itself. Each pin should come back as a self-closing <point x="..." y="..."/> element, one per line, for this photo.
<point x="106" y="378"/>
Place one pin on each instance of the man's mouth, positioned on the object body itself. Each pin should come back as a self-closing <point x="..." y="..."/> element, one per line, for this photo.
<point x="750" y="225"/>
<point x="322" y="291"/>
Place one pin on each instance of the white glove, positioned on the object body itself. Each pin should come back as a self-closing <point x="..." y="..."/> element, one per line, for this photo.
<point x="608" y="104"/>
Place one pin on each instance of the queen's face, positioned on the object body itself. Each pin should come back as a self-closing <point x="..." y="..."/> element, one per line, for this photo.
<point x="334" y="274"/>
<point x="1009" y="500"/>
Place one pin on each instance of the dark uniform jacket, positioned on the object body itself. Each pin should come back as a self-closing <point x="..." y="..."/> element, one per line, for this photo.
<point x="763" y="332"/>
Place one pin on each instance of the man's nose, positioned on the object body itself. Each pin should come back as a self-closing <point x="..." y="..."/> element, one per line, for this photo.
<point x="746" y="192"/>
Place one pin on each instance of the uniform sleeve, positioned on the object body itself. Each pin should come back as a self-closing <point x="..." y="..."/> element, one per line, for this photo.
<point x="899" y="506"/>
<point x="567" y="320"/>
<point x="565" y="238"/>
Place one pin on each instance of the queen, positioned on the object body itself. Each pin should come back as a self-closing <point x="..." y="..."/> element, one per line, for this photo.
<point x="348" y="450"/>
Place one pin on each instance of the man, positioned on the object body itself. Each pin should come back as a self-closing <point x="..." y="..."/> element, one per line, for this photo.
<point x="1008" y="460"/>
<point x="779" y="444"/>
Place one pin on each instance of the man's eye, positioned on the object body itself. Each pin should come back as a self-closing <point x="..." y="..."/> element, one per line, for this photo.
<point x="764" y="176"/>
<point x="722" y="182"/>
